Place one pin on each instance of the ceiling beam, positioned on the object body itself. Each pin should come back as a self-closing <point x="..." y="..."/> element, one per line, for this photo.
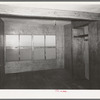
<point x="46" y="13"/>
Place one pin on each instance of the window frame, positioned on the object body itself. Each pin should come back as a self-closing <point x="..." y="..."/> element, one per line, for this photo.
<point x="33" y="47"/>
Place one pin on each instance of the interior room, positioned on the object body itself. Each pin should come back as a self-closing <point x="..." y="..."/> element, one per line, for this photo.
<point x="49" y="49"/>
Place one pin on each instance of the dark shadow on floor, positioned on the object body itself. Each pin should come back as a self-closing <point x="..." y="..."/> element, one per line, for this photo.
<point x="48" y="79"/>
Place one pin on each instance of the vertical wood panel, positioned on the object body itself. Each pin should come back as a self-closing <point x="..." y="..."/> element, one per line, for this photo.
<point x="93" y="54"/>
<point x="1" y="52"/>
<point x="98" y="56"/>
<point x="68" y="47"/>
<point x="60" y="45"/>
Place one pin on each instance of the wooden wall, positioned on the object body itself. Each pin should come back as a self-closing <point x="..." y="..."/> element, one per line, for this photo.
<point x="60" y="42"/>
<point x="1" y="52"/>
<point x="98" y="56"/>
<point x="49" y="27"/>
<point x="94" y="53"/>
<point x="25" y="66"/>
<point x="68" y="47"/>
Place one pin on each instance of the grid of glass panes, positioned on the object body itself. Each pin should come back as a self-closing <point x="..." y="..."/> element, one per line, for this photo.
<point x="18" y="47"/>
<point x="28" y="47"/>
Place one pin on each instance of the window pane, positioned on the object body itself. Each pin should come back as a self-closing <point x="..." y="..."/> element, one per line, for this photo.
<point x="50" y="40"/>
<point x="25" y="53"/>
<point x="25" y="40"/>
<point x="38" y="40"/>
<point x="25" y="47"/>
<point x="50" y="53"/>
<point x="12" y="54"/>
<point x="12" y="40"/>
<point x="38" y="53"/>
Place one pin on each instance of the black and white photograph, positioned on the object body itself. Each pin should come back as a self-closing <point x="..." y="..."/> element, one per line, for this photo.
<point x="50" y="45"/>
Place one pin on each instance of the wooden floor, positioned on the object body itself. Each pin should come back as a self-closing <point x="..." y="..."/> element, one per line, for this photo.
<point x="50" y="79"/>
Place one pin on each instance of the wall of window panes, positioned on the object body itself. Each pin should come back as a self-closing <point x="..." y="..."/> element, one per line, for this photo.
<point x="30" y="47"/>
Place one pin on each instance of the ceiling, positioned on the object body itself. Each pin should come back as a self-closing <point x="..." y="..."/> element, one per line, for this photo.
<point x="73" y="6"/>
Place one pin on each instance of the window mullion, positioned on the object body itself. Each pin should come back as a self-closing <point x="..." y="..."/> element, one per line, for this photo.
<point x="45" y="46"/>
<point x="19" y="46"/>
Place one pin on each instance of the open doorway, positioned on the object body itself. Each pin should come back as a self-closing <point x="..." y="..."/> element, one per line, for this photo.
<point x="80" y="52"/>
